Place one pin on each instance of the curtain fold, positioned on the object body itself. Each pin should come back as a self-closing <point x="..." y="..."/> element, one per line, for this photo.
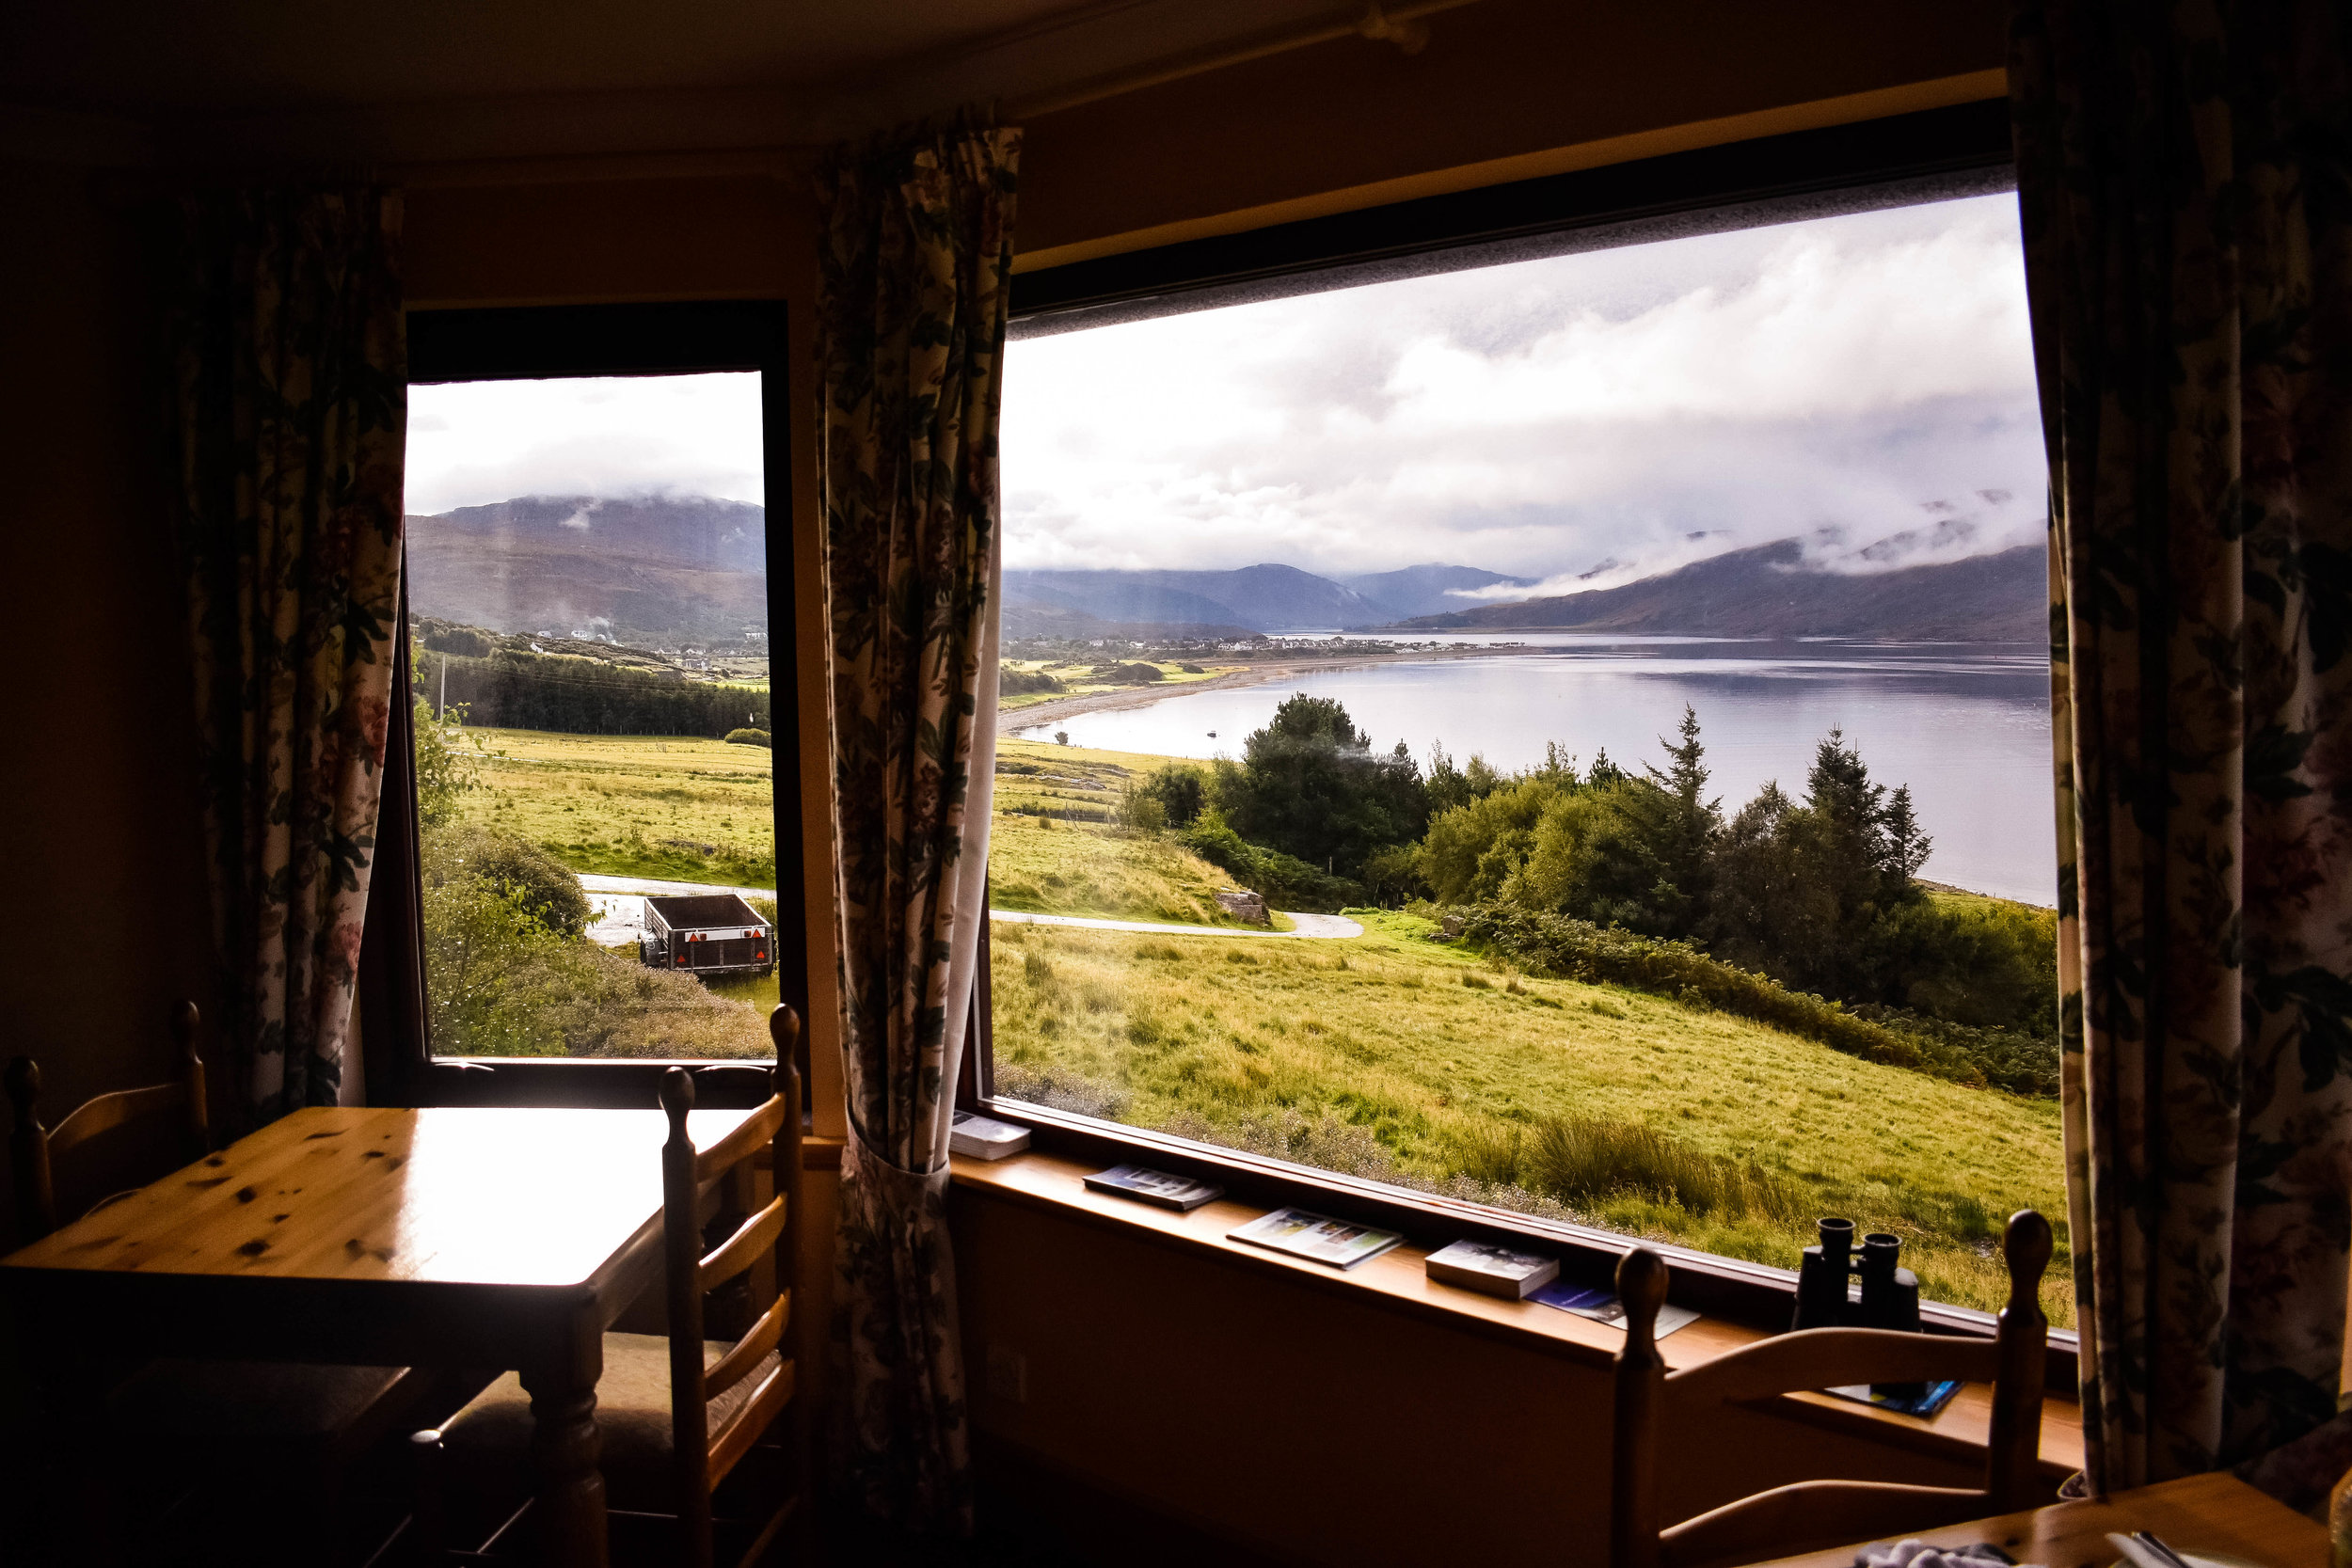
<point x="2185" y="186"/>
<point x="289" y="422"/>
<point x="915" y="261"/>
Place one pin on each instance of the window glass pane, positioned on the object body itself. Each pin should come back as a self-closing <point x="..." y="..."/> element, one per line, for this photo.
<point x="588" y="604"/>
<point x="1576" y="731"/>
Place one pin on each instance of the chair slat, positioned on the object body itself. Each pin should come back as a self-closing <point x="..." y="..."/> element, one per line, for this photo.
<point x="110" y="1111"/>
<point x="745" y="1353"/>
<point x="1812" y="1515"/>
<point x="733" y="1441"/>
<point x="739" y="1145"/>
<point x="751" y="1242"/>
<point x="1833" y="1357"/>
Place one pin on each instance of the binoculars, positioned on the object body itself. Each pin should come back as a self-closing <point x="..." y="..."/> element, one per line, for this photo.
<point x="1887" y="1297"/>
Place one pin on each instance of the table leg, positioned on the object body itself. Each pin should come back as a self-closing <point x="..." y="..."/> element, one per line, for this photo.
<point x="565" y="1448"/>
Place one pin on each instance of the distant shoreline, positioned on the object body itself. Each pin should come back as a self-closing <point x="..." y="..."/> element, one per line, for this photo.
<point x="1055" y="709"/>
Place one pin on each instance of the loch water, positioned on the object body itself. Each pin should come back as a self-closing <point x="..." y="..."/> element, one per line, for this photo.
<point x="1966" y="726"/>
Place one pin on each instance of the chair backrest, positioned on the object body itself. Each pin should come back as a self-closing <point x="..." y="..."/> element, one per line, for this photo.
<point x="691" y="1179"/>
<point x="1812" y="1515"/>
<point x="36" y="1153"/>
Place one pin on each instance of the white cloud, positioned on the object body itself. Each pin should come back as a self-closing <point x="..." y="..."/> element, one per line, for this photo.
<point x="475" y="442"/>
<point x="1826" y="379"/>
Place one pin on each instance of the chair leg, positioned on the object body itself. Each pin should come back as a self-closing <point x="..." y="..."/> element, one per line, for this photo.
<point x="429" y="1527"/>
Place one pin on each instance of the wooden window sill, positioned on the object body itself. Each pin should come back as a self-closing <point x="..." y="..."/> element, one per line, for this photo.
<point x="1397" y="1280"/>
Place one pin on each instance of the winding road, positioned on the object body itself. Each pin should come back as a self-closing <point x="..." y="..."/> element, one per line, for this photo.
<point x="619" y="919"/>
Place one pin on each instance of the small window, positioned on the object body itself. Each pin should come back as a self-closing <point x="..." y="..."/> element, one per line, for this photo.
<point x="1570" y="734"/>
<point x="593" y="656"/>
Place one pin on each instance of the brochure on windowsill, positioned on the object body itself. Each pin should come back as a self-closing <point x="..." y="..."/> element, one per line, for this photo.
<point x="1316" y="1237"/>
<point x="1604" y="1306"/>
<point x="1146" y="1185"/>
<point x="985" y="1137"/>
<point x="1934" y="1396"/>
<point x="1498" y="1271"/>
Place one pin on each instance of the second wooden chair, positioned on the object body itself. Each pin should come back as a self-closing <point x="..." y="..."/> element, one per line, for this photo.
<point x="1807" y="1515"/>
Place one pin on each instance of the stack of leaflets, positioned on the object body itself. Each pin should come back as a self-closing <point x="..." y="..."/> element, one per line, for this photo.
<point x="1316" y="1237"/>
<point x="1146" y="1185"/>
<point x="1604" y="1306"/>
<point x="1914" y="1400"/>
<point x="985" y="1137"/>
<point x="1496" y="1270"/>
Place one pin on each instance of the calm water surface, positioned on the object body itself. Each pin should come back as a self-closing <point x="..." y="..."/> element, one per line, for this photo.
<point x="1966" y="727"/>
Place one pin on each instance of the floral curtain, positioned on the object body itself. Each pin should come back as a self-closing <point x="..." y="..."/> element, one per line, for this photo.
<point x="288" y="419"/>
<point x="2186" y="183"/>
<point x="916" y="257"/>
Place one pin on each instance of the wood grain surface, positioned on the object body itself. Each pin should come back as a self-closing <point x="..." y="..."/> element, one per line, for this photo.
<point x="483" y="1196"/>
<point x="2199" y="1514"/>
<point x="1400" y="1279"/>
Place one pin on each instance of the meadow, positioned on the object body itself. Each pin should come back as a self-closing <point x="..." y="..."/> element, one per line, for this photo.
<point x="1394" y="1055"/>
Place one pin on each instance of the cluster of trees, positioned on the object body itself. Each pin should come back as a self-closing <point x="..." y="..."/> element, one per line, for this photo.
<point x="583" y="696"/>
<point x="1818" y="891"/>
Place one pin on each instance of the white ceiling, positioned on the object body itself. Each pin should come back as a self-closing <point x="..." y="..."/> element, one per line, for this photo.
<point x="355" y="71"/>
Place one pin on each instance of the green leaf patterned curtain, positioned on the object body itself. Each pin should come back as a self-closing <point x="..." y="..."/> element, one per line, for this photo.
<point x="2187" y="194"/>
<point x="915" y="261"/>
<point x="289" y="420"/>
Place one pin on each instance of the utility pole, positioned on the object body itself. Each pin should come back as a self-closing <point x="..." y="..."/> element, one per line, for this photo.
<point x="440" y="709"/>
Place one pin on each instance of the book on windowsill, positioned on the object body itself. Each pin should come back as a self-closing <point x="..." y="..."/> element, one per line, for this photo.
<point x="1316" y="1237"/>
<point x="1917" y="1399"/>
<point x="1496" y="1270"/>
<point x="985" y="1137"/>
<point x="1146" y="1185"/>
<point x="1602" y="1306"/>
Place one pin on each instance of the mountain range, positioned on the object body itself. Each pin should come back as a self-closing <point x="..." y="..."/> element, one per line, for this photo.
<point x="651" y="571"/>
<point x="665" y="571"/>
<point x="1769" y="591"/>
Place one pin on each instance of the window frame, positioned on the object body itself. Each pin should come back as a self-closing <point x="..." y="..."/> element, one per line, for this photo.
<point x="1890" y="162"/>
<point x="574" y="341"/>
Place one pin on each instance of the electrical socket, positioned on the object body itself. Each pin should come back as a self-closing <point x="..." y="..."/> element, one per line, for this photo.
<point x="1008" y="1374"/>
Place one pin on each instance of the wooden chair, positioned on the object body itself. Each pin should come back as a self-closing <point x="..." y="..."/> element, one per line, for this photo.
<point x="678" y="1414"/>
<point x="1810" y="1515"/>
<point x="242" y="1417"/>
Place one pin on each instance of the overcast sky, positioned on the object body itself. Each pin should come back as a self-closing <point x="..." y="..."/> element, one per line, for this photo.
<point x="474" y="442"/>
<point x="1864" y="383"/>
<point x="1856" y="381"/>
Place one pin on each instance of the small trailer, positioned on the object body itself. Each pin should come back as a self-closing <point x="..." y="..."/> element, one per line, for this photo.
<point x="706" y="933"/>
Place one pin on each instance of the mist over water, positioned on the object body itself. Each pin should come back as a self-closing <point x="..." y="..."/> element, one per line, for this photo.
<point x="1967" y="728"/>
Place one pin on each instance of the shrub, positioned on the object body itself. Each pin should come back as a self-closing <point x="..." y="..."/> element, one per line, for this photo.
<point x="538" y="885"/>
<point x="1283" y="880"/>
<point x="1580" y="950"/>
<point x="1128" y="675"/>
<point x="748" y="737"/>
<point x="1020" y="683"/>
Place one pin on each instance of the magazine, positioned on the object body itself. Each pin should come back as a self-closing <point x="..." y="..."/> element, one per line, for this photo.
<point x="1496" y="1270"/>
<point x="1316" y="1237"/>
<point x="1922" y="1399"/>
<point x="1146" y="1185"/>
<point x="1602" y="1306"/>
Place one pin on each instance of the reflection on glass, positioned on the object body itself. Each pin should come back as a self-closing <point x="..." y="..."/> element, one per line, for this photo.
<point x="588" y="625"/>
<point x="1572" y="735"/>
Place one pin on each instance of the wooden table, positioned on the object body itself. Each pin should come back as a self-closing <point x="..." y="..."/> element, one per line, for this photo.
<point x="454" y="1237"/>
<point x="2201" y="1514"/>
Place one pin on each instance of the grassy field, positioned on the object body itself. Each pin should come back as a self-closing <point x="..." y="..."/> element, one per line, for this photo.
<point x="680" y="808"/>
<point x="1395" y="1056"/>
<point x="1391" y="1054"/>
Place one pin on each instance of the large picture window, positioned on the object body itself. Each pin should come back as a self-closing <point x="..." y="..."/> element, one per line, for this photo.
<point x="1570" y="734"/>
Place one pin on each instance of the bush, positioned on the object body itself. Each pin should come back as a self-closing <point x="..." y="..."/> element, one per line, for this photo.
<point x="1141" y="810"/>
<point x="1020" y="683"/>
<point x="1283" y="881"/>
<point x="539" y="886"/>
<point x="1182" y="790"/>
<point x="749" y="737"/>
<point x="1128" y="675"/>
<point x="1580" y="950"/>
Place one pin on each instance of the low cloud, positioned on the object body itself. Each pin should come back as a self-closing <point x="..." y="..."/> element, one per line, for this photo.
<point x="1582" y="420"/>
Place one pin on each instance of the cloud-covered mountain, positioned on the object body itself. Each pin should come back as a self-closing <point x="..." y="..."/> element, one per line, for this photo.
<point x="1430" y="589"/>
<point x="650" y="570"/>
<point x="1769" y="590"/>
